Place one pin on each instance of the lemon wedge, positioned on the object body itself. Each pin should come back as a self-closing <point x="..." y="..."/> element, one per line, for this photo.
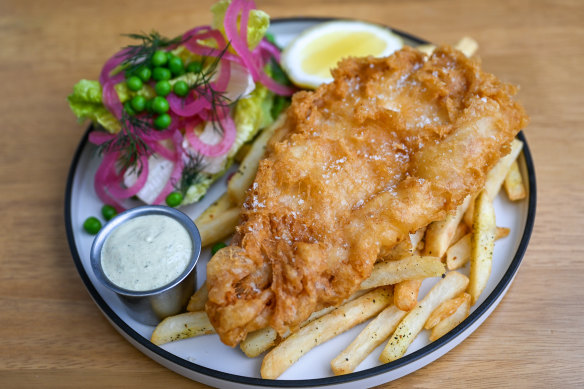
<point x="308" y="59"/>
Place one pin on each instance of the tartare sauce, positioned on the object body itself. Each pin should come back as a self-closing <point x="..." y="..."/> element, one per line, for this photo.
<point x="146" y="252"/>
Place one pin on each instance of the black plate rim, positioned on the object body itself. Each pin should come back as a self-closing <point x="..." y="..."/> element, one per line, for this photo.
<point x="356" y="376"/>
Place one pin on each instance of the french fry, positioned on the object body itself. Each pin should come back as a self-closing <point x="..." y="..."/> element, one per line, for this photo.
<point x="439" y="234"/>
<point x="458" y="254"/>
<point x="450" y="286"/>
<point x="514" y="183"/>
<point x="448" y="323"/>
<point x="405" y="294"/>
<point x="257" y="342"/>
<point x="404" y="248"/>
<point x="243" y="178"/>
<point x="417" y="239"/>
<point x="408" y="268"/>
<point x="482" y="245"/>
<point x="242" y="152"/>
<point x="502" y="232"/>
<point x="220" y="227"/>
<point x="445" y="309"/>
<point x="185" y="325"/>
<point x="426" y="49"/>
<point x="261" y="340"/>
<point x="467" y="45"/>
<point x="221" y="204"/>
<point x="322" y="329"/>
<point x="495" y="177"/>
<point x="199" y="299"/>
<point x="461" y="231"/>
<point x="376" y="332"/>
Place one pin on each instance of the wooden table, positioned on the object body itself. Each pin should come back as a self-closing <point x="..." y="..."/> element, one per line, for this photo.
<point x="53" y="335"/>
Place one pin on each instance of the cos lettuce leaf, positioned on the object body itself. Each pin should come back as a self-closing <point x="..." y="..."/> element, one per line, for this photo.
<point x="257" y="25"/>
<point x="86" y="103"/>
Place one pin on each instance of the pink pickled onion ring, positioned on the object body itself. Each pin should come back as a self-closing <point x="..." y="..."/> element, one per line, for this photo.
<point x="242" y="49"/>
<point x="230" y="25"/>
<point x="222" y="81"/>
<point x="207" y="51"/>
<point x="194" y="31"/>
<point x="246" y="8"/>
<point x="106" y="179"/>
<point x="113" y="184"/>
<point x="111" y="100"/>
<point x="270" y="49"/>
<point x="176" y="174"/>
<point x="225" y="68"/>
<point x="154" y="136"/>
<point x="98" y="137"/>
<point x="111" y="64"/>
<point x="163" y="151"/>
<point x="107" y="164"/>
<point x="229" y="134"/>
<point x="181" y="108"/>
<point x="274" y="86"/>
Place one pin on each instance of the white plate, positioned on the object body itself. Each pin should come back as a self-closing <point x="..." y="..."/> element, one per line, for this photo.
<point x="207" y="360"/>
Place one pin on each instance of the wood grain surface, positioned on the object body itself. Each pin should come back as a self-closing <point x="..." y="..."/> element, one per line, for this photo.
<point x="53" y="336"/>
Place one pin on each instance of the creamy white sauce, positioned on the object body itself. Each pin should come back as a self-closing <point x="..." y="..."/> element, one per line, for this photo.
<point x="146" y="252"/>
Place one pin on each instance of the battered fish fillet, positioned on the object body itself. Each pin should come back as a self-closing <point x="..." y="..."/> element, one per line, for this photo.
<point x="388" y="147"/>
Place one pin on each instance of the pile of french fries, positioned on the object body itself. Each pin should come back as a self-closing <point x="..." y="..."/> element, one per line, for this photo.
<point x="390" y="294"/>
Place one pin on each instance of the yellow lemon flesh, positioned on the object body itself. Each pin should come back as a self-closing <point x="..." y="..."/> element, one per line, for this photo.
<point x="309" y="58"/>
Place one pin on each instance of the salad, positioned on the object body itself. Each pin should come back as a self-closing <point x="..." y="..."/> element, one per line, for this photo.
<point x="171" y="114"/>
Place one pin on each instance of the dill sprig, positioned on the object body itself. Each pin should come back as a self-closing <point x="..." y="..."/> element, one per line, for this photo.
<point x="191" y="174"/>
<point x="129" y="143"/>
<point x="141" y="54"/>
<point x="204" y="88"/>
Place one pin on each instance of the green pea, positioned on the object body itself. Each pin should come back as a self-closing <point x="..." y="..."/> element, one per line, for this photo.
<point x="162" y="88"/>
<point x="92" y="225"/>
<point x="216" y="247"/>
<point x="159" y="58"/>
<point x="174" y="199"/>
<point x="108" y="212"/>
<point x="160" y="74"/>
<point x="134" y="83"/>
<point x="138" y="103"/>
<point x="160" y="104"/>
<point x="162" y="121"/>
<point x="181" y="88"/>
<point x="144" y="73"/>
<point x="195" y="67"/>
<point x="128" y="108"/>
<point x="176" y="66"/>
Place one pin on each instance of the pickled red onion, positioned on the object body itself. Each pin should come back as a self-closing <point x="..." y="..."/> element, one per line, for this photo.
<point x="182" y="108"/>
<point x="242" y="49"/>
<point x="111" y="100"/>
<point x="98" y="138"/>
<point x="114" y="181"/>
<point x="111" y="64"/>
<point x="229" y="134"/>
<point x="107" y="181"/>
<point x="207" y="51"/>
<point x="270" y="49"/>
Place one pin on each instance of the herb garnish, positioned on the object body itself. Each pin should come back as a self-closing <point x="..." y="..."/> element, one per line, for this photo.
<point x="191" y="174"/>
<point x="129" y="143"/>
<point x="140" y="55"/>
<point x="203" y="87"/>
